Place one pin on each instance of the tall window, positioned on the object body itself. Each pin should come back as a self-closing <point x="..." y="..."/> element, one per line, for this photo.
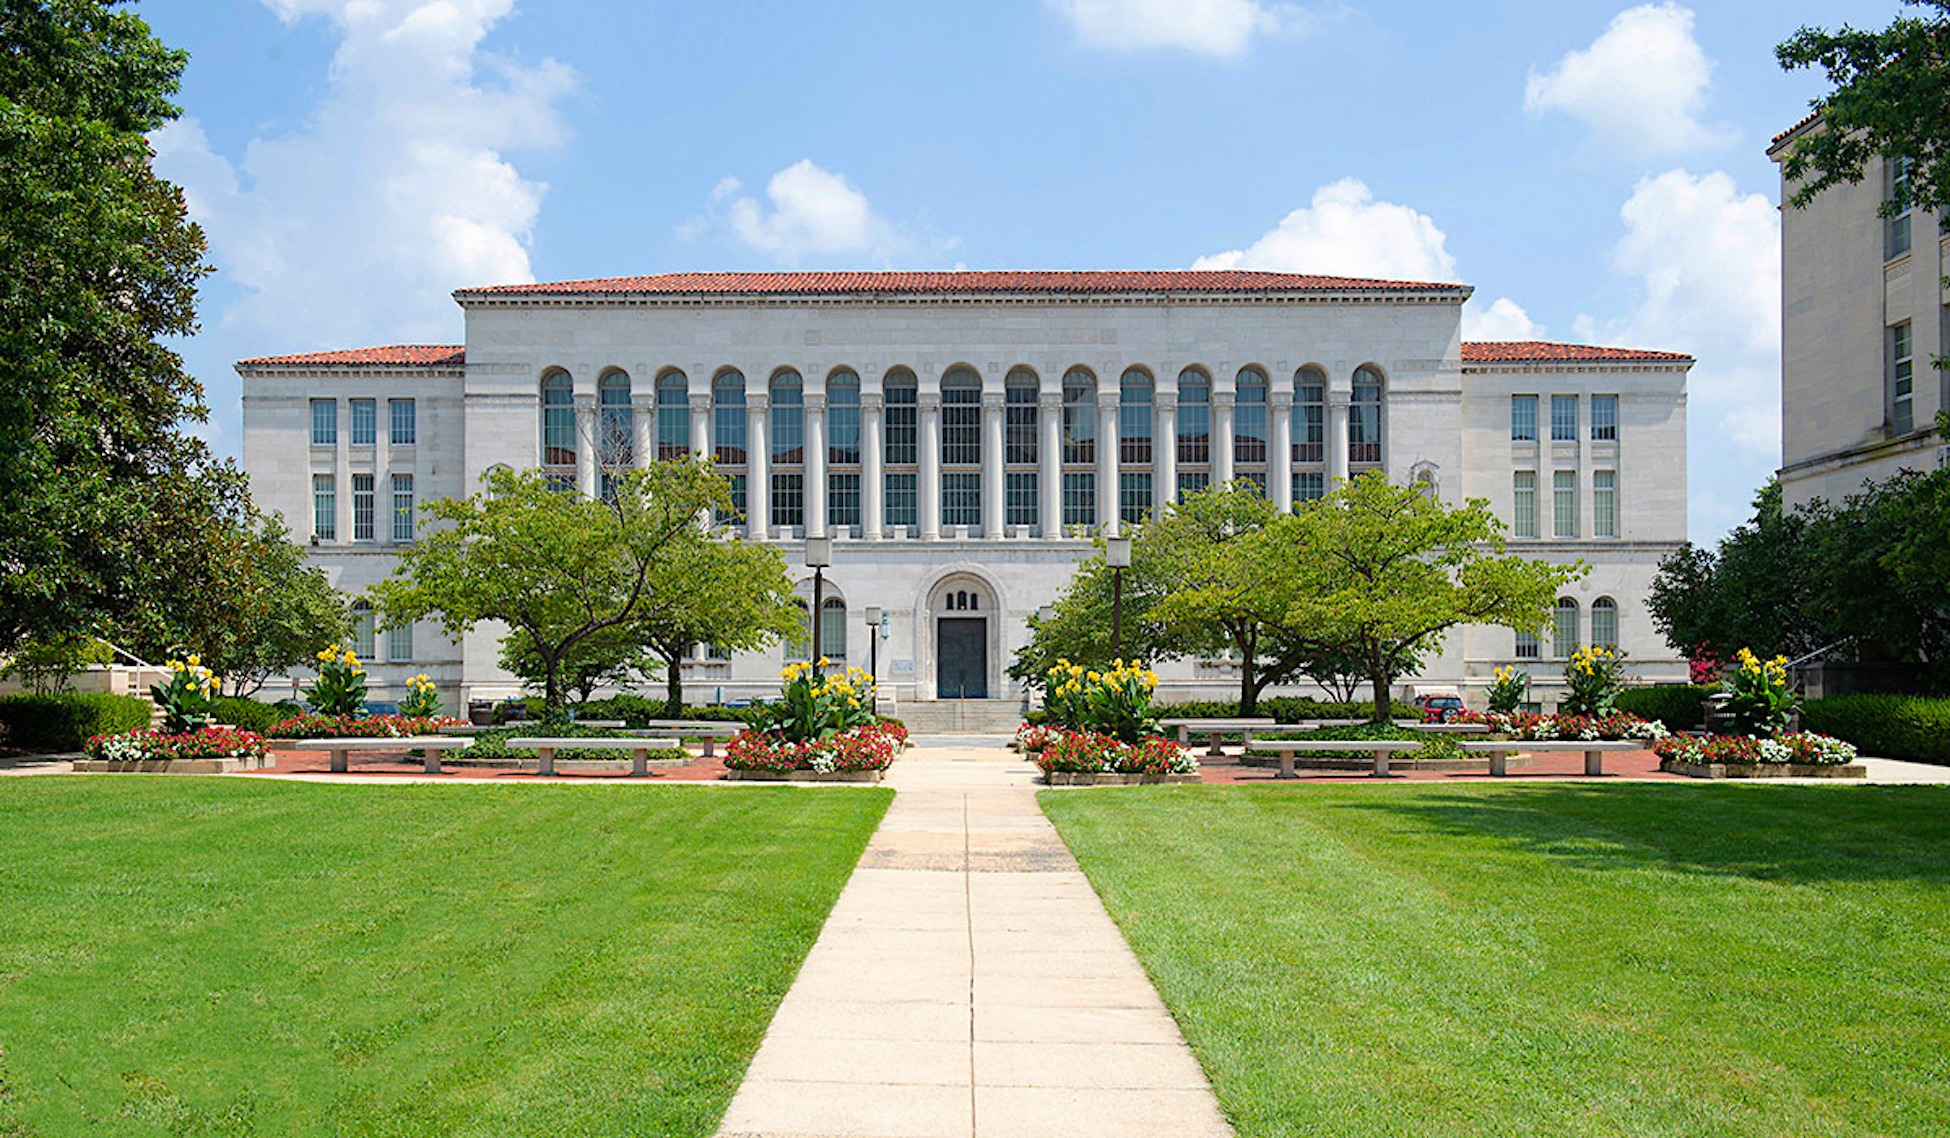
<point x="1902" y="380"/>
<point x="324" y="423"/>
<point x="1604" y="503"/>
<point x="1604" y="623"/>
<point x="961" y="498"/>
<point x="1604" y="418"/>
<point x="365" y="422"/>
<point x="1309" y="485"/>
<point x="843" y="499"/>
<point x="362" y="507"/>
<point x="616" y="427"/>
<point x="1523" y="418"/>
<point x="1079" y="498"/>
<point x="1021" y="505"/>
<point x="1364" y="418"/>
<point x="399" y="643"/>
<point x="324" y="507"/>
<point x="843" y="449"/>
<point x="1896" y="229"/>
<point x="1528" y="646"/>
<point x="1134" y="418"/>
<point x="901" y="448"/>
<point x="1022" y="448"/>
<point x="961" y="448"/>
<point x="1523" y="516"/>
<point x="798" y="644"/>
<point x="364" y="628"/>
<point x="673" y="416"/>
<point x="1194" y="431"/>
<point x="1564" y="503"/>
<point x="1249" y="421"/>
<point x="558" y="420"/>
<point x="832" y="629"/>
<point x="403" y="507"/>
<point x="404" y="428"/>
<point x="1134" y="495"/>
<point x="1079" y="417"/>
<point x="1564" y="630"/>
<point x="1564" y="418"/>
<point x="728" y="437"/>
<point x="788" y="420"/>
<point x="1310" y="416"/>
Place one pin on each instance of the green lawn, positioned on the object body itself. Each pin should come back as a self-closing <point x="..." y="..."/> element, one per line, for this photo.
<point x="1436" y="960"/>
<point x="190" y="956"/>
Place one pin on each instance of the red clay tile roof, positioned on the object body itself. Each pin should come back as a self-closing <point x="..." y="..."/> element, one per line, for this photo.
<point x="1805" y="120"/>
<point x="1529" y="351"/>
<point x="392" y="355"/>
<point x="835" y="284"/>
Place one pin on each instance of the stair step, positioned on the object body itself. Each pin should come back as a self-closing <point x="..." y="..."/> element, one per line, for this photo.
<point x="961" y="716"/>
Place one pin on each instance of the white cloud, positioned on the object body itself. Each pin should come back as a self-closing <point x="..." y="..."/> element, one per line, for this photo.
<point x="1346" y="232"/>
<point x="809" y="212"/>
<point x="1706" y="260"/>
<point x="1217" y="28"/>
<point x="1501" y="319"/>
<point x="1641" y="85"/>
<point x="354" y="227"/>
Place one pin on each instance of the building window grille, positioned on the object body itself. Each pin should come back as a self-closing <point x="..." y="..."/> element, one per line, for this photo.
<point x="1564" y="418"/>
<point x="403" y="507"/>
<point x="1310" y="416"/>
<point x="832" y="629"/>
<point x="1604" y="623"/>
<point x="399" y="644"/>
<point x="1528" y="646"/>
<point x="1134" y="419"/>
<point x="324" y="423"/>
<point x="1134" y="495"/>
<point x="1192" y="481"/>
<point x="404" y="428"/>
<point x="1902" y="379"/>
<point x="961" y="418"/>
<point x="788" y="417"/>
<point x="961" y="498"/>
<point x="365" y="629"/>
<point x="1604" y="418"/>
<point x="1249" y="419"/>
<point x="798" y="643"/>
<point x="1309" y="486"/>
<point x="902" y="421"/>
<point x="1254" y="478"/>
<point x="1079" y="498"/>
<point x="789" y="498"/>
<point x="561" y="481"/>
<point x="1523" y="517"/>
<point x="1564" y="629"/>
<point x="558" y="420"/>
<point x="1604" y="503"/>
<point x="728" y="425"/>
<point x="362" y="507"/>
<point x="1021" y="446"/>
<point x="739" y="486"/>
<point x="1523" y="418"/>
<point x="616" y="420"/>
<point x="324" y="507"/>
<point x="843" y="500"/>
<point x="673" y="417"/>
<point x="1194" y="419"/>
<point x="365" y="422"/>
<point x="843" y="420"/>
<point x="903" y="507"/>
<point x="1896" y="228"/>
<point x="1364" y="418"/>
<point x="1564" y="503"/>
<point x="1079" y="417"/>
<point x="1021" y="505"/>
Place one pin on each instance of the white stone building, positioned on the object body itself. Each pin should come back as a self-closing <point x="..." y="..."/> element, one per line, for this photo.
<point x="958" y="436"/>
<point x="1863" y="312"/>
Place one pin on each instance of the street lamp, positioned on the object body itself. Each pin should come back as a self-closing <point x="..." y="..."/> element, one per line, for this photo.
<point x="819" y="554"/>
<point x="1117" y="552"/>
<point x="873" y="644"/>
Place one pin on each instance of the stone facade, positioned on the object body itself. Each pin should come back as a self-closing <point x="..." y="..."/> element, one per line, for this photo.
<point x="1863" y="312"/>
<point x="980" y="402"/>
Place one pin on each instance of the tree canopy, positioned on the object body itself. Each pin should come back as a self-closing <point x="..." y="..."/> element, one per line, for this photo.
<point x="734" y="594"/>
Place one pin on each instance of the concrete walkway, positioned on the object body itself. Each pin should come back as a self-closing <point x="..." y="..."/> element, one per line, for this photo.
<point x="970" y="983"/>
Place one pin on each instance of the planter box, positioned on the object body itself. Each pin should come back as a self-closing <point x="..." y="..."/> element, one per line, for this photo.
<point x="171" y="766"/>
<point x="1106" y="778"/>
<point x="1361" y="762"/>
<point x="1764" y="770"/>
<point x="804" y="776"/>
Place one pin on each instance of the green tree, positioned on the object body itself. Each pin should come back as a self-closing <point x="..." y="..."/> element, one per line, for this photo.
<point x="1384" y="569"/>
<point x="557" y="568"/>
<point x="100" y="484"/>
<point x="734" y="594"/>
<point x="610" y="658"/>
<point x="1756" y="590"/>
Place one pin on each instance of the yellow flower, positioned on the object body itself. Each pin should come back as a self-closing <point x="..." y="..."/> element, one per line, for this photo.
<point x="195" y="660"/>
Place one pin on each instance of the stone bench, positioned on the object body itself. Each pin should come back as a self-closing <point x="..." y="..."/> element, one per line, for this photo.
<point x="1244" y="728"/>
<point x="638" y="747"/>
<point x="341" y="750"/>
<point x="1594" y="750"/>
<point x="1382" y="749"/>
<point x="708" y="730"/>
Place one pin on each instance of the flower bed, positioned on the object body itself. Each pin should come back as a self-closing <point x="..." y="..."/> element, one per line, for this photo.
<point x="1568" y="728"/>
<point x="863" y="749"/>
<point x="207" y="750"/>
<point x="1065" y="755"/>
<point x="1033" y="737"/>
<point x="1747" y="756"/>
<point x="314" y="726"/>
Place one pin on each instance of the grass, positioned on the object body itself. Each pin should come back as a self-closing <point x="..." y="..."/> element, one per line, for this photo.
<point x="1566" y="960"/>
<point x="234" y="957"/>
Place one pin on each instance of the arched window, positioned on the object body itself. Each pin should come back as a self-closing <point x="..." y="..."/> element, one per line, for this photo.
<point x="788" y="420"/>
<point x="1364" y="418"/>
<point x="1604" y="623"/>
<point x="1134" y="406"/>
<point x="832" y="629"/>
<point x="843" y="449"/>
<point x="1564" y="633"/>
<point x="728" y="436"/>
<point x="1022" y="447"/>
<point x="1309" y="416"/>
<point x="558" y="420"/>
<point x="799" y="643"/>
<point x="1249" y="428"/>
<point x="961" y="447"/>
<point x="673" y="416"/>
<point x="901" y="448"/>
<point x="364" y="629"/>
<point x="1079" y="447"/>
<point x="1194" y="431"/>
<point x="616" y="421"/>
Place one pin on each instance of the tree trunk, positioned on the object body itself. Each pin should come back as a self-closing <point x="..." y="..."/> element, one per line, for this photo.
<point x="552" y="705"/>
<point x="1382" y="682"/>
<point x="673" y="684"/>
<point x="1249" y="682"/>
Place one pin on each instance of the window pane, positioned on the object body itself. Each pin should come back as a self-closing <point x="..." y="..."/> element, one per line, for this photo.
<point x="832" y="629"/>
<point x="902" y="425"/>
<point x="737" y="511"/>
<point x="843" y="419"/>
<point x="1564" y="492"/>
<point x="324" y="422"/>
<point x="789" y="498"/>
<point x="961" y="423"/>
<point x="558" y="421"/>
<point x="1194" y="419"/>
<point x="902" y="507"/>
<point x="402" y="507"/>
<point x="365" y="422"/>
<point x="1902" y="379"/>
<point x="1604" y="504"/>
<point x="1523" y="418"/>
<point x="1564" y="418"/>
<point x="1364" y="418"/>
<point x="616" y="420"/>
<point x="1079" y="499"/>
<point x="1523" y="520"/>
<point x="1604" y="418"/>
<point x="399" y="644"/>
<point x="1021" y="504"/>
<point x="1249" y="419"/>
<point x="363" y="631"/>
<point x="728" y="439"/>
<point x="961" y="499"/>
<point x="1079" y="418"/>
<point x="673" y="416"/>
<point x="1020" y="424"/>
<point x="1192" y="481"/>
<point x="362" y="507"/>
<point x="843" y="500"/>
<point x="1604" y="623"/>
<point x="1134" y="420"/>
<point x="1310" y="419"/>
<point x="1564" y="640"/>
<point x="1134" y="496"/>
<point x="1528" y="646"/>
<point x="1309" y="485"/>
<point x="788" y="420"/>
<point x="324" y="507"/>
<point x="404" y="430"/>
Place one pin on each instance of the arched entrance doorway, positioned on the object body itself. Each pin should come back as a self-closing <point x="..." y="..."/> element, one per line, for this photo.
<point x="962" y="611"/>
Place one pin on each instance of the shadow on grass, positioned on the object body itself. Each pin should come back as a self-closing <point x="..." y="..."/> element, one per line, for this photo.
<point x="1793" y="834"/>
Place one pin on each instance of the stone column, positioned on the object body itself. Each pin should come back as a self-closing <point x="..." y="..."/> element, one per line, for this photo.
<point x="701" y="442"/>
<point x="993" y="484"/>
<point x="1164" y="454"/>
<point x="1337" y="402"/>
<point x="1221" y="437"/>
<point x="815" y="498"/>
<point x="873" y="478"/>
<point x="758" y="465"/>
<point x="1049" y="421"/>
<point x="588" y="433"/>
<point x="1107" y="447"/>
<point x="928" y="496"/>
<point x="1279" y="466"/>
<point x="643" y="429"/>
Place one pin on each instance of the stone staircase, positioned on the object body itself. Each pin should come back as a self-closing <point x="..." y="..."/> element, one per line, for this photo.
<point x="961" y="716"/>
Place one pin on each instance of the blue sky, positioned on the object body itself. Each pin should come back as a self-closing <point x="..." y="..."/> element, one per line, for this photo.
<point x="1597" y="171"/>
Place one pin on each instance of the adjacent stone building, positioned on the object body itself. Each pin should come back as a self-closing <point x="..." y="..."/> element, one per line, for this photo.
<point x="960" y="435"/>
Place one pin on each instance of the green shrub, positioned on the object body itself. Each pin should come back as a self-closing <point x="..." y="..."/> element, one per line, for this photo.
<point x="249" y="714"/>
<point x="1282" y="709"/>
<point x="494" y="744"/>
<point x="1887" y="726"/>
<point x="1358" y="731"/>
<point x="1678" y="706"/>
<point x="65" y="722"/>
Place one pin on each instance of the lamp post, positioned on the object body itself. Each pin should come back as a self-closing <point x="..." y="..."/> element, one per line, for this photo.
<point x="873" y="644"/>
<point x="1117" y="552"/>
<point x="819" y="554"/>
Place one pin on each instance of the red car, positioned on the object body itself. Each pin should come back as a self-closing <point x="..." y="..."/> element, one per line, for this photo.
<point x="1440" y="708"/>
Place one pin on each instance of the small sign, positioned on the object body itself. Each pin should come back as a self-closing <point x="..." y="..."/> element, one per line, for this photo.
<point x="903" y="667"/>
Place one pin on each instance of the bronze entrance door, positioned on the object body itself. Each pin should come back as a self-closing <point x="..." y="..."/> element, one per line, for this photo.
<point x="961" y="658"/>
